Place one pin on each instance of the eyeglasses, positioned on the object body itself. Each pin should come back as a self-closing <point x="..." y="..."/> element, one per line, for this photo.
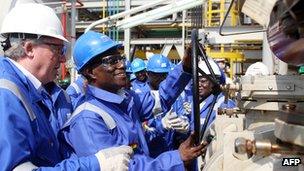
<point x="55" y="48"/>
<point x="112" y="60"/>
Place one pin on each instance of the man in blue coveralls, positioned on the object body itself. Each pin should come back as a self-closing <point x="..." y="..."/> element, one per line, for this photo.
<point x="206" y="94"/>
<point x="110" y="116"/>
<point x="130" y="76"/>
<point x="207" y="90"/>
<point x="140" y="83"/>
<point x="32" y="108"/>
<point x="157" y="99"/>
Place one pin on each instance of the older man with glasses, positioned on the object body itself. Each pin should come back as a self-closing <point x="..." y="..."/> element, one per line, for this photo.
<point x="32" y="107"/>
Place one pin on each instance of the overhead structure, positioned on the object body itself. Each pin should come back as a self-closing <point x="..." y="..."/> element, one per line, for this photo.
<point x="149" y="17"/>
<point x="154" y="14"/>
<point x="235" y="48"/>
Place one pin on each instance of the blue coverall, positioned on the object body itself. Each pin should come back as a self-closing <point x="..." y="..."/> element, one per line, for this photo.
<point x="139" y="87"/>
<point x="62" y="105"/>
<point x="160" y="106"/>
<point x="204" y="108"/>
<point x="220" y="103"/>
<point x="75" y="90"/>
<point x="88" y="132"/>
<point x="174" y="138"/>
<point x="32" y="137"/>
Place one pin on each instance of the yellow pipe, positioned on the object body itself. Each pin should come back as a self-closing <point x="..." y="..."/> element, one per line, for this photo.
<point x="234" y="15"/>
<point x="231" y="69"/>
<point x="235" y="56"/>
<point x="222" y="10"/>
<point x="209" y="12"/>
<point x="206" y="15"/>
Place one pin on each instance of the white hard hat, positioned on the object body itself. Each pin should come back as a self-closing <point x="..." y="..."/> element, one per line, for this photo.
<point x="257" y="68"/>
<point x="33" y="18"/>
<point x="202" y="65"/>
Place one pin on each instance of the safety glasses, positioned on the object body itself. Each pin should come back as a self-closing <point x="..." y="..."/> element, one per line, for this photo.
<point x="56" y="48"/>
<point x="112" y="60"/>
<point x="59" y="49"/>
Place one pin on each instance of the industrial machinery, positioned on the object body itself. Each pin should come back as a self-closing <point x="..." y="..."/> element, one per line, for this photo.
<point x="266" y="131"/>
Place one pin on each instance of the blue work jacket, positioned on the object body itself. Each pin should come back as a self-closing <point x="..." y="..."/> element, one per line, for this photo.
<point x="139" y="87"/>
<point x="75" y="90"/>
<point x="220" y="103"/>
<point x="32" y="136"/>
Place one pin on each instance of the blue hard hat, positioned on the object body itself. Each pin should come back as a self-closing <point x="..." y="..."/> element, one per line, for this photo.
<point x="159" y="64"/>
<point x="128" y="66"/>
<point x="138" y="65"/>
<point x="89" y="45"/>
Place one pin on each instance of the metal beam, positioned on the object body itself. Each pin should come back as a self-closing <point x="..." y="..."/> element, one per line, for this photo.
<point x="153" y="41"/>
<point x="215" y="38"/>
<point x="121" y="4"/>
<point x="166" y="49"/>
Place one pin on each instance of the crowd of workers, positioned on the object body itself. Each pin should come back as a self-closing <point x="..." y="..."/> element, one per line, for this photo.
<point x="118" y="115"/>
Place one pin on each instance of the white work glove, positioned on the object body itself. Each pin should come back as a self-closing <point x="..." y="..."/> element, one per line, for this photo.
<point x="114" y="158"/>
<point x="177" y="123"/>
<point x="187" y="107"/>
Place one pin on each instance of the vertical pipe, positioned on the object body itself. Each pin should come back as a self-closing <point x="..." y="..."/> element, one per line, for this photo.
<point x="222" y="10"/>
<point x="127" y="32"/>
<point x="195" y="104"/>
<point x="233" y="15"/>
<point x="116" y="12"/>
<point x="205" y="6"/>
<point x="64" y="25"/>
<point x="73" y="36"/>
<point x="104" y="15"/>
<point x="109" y="14"/>
<point x="209" y="12"/>
<point x="231" y="68"/>
<point x="183" y="31"/>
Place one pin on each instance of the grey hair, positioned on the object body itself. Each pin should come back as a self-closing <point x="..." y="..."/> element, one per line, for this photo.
<point x="16" y="51"/>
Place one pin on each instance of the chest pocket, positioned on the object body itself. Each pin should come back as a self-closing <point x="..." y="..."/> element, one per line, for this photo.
<point x="109" y="121"/>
